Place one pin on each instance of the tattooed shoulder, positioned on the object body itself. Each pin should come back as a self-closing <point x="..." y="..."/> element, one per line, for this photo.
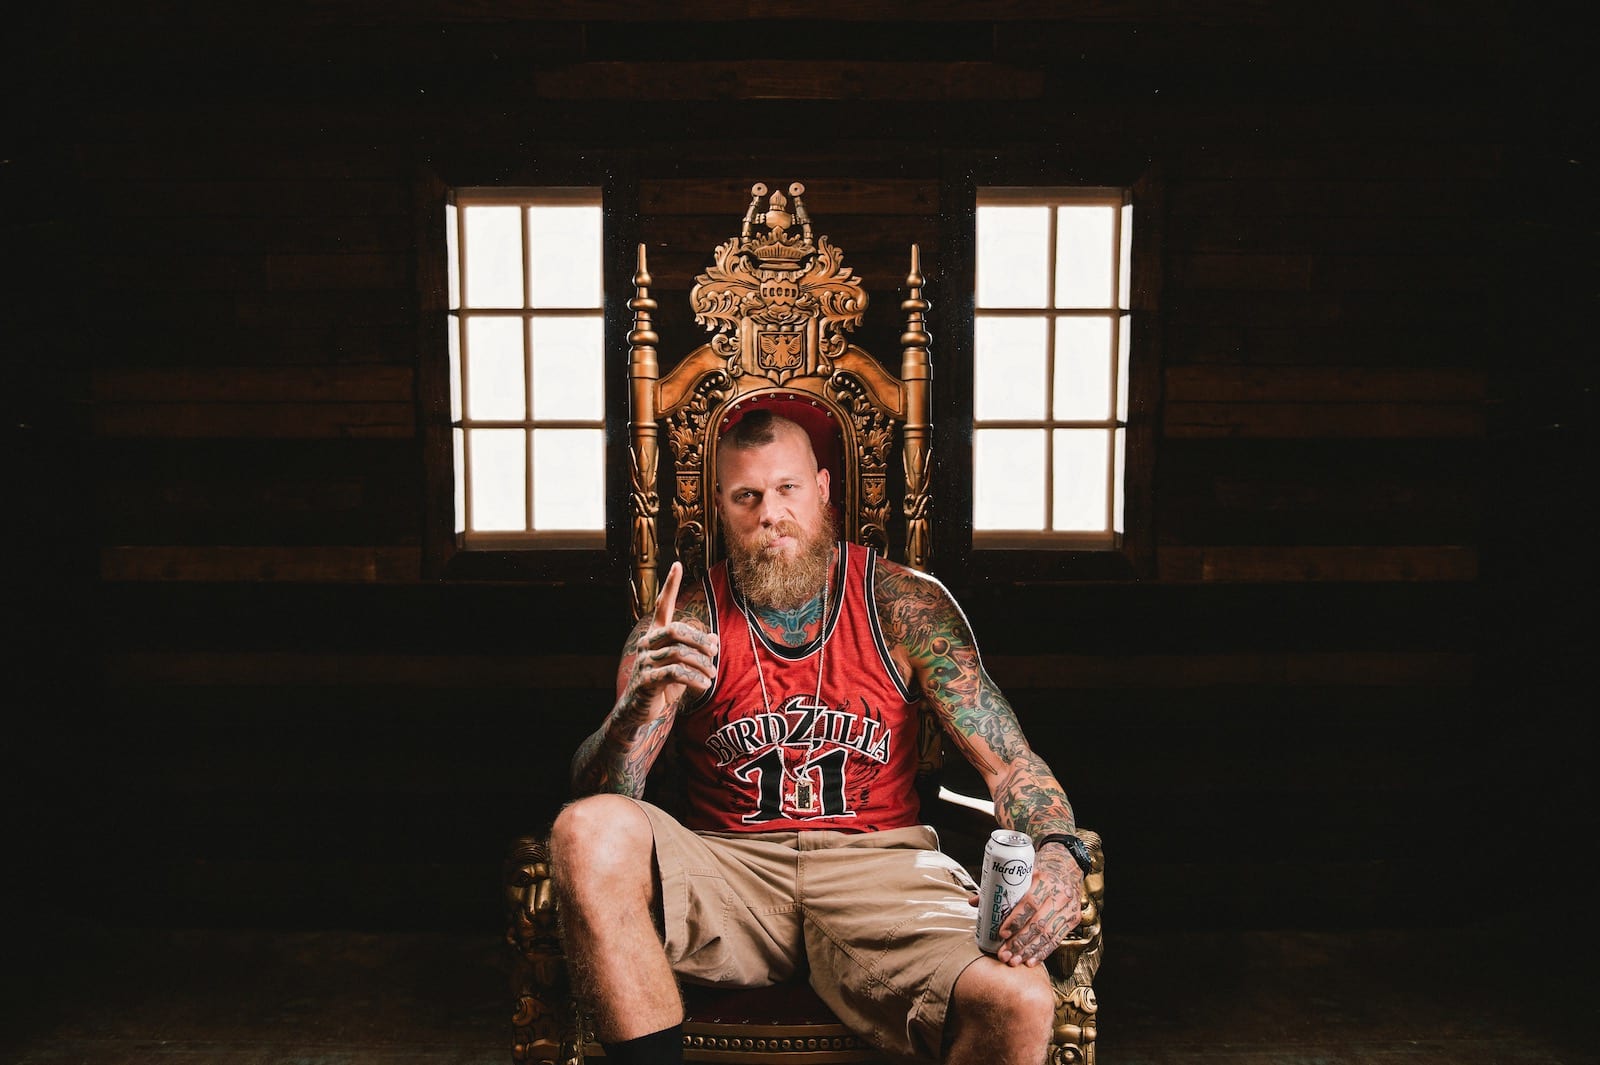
<point x="914" y="609"/>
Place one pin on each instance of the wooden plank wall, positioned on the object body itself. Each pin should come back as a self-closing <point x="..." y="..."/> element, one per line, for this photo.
<point x="249" y="696"/>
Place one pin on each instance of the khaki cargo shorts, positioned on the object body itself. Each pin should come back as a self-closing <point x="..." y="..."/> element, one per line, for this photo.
<point x="881" y="919"/>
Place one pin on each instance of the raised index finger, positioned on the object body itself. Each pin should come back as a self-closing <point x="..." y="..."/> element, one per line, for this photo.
<point x="667" y="598"/>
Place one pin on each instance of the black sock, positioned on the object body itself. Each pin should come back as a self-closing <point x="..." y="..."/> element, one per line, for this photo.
<point x="658" y="1048"/>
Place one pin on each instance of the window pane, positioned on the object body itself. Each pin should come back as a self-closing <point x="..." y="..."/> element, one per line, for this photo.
<point x="1008" y="479"/>
<point x="1122" y="367"/>
<point x="1013" y="256"/>
<point x="1125" y="282"/>
<point x="569" y="479"/>
<point x="495" y="388"/>
<point x="459" y="441"/>
<point x="1083" y="368"/>
<point x="452" y="256"/>
<point x="1080" y="480"/>
<point x="1124" y="327"/>
<point x="494" y="256"/>
<point x="567" y="363"/>
<point x="499" y="476"/>
<point x="564" y="252"/>
<point x="1117" y="495"/>
<point x="454" y="330"/>
<point x="1085" y="255"/>
<point x="1009" y="365"/>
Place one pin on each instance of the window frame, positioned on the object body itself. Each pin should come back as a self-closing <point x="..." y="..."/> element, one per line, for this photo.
<point x="458" y="199"/>
<point x="953" y="320"/>
<point x="443" y="555"/>
<point x="1053" y="198"/>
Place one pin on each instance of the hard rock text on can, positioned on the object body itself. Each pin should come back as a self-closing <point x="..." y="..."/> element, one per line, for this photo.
<point x="1007" y="874"/>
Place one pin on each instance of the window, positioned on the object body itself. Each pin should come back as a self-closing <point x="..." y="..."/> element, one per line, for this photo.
<point x="527" y="391"/>
<point x="1050" y="367"/>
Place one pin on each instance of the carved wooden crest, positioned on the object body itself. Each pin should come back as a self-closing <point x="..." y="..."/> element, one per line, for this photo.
<point x="778" y="300"/>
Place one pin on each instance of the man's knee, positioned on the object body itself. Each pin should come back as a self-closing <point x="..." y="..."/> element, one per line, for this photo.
<point x="1016" y="1004"/>
<point x="1035" y="1006"/>
<point x="598" y="841"/>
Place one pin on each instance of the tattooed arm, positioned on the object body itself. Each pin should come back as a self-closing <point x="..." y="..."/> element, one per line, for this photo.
<point x="934" y="645"/>
<point x="670" y="655"/>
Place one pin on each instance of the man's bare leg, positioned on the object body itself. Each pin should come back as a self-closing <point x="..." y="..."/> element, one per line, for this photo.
<point x="1000" y="1015"/>
<point x="602" y="858"/>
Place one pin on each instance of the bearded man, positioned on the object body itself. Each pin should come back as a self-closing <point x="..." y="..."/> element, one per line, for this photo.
<point x="790" y="680"/>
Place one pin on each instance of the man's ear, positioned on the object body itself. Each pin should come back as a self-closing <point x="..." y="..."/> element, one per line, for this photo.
<point x="822" y="484"/>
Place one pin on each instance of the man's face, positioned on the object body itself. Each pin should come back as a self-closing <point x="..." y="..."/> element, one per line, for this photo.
<point x="772" y="501"/>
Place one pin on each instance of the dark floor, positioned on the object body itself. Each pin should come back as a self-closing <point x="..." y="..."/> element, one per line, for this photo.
<point x="118" y="996"/>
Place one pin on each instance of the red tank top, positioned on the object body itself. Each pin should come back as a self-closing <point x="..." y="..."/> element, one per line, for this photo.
<point x="845" y="761"/>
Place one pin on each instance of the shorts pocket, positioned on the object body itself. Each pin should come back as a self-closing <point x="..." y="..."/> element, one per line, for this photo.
<point x="963" y="879"/>
<point x="698" y="945"/>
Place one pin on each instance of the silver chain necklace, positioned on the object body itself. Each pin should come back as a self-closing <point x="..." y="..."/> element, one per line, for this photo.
<point x="804" y="797"/>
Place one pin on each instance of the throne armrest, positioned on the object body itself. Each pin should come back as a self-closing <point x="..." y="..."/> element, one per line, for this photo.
<point x="970" y="802"/>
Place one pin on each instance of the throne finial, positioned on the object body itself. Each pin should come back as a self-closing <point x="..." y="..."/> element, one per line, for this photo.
<point x="776" y="218"/>
<point x="758" y="190"/>
<point x="781" y="247"/>
<point x="795" y="192"/>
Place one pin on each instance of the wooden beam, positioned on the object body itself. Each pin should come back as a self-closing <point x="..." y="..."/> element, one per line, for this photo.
<point x="1284" y="564"/>
<point x="1324" y="384"/>
<point x="776" y="79"/>
<point x="274" y="668"/>
<point x="361" y="565"/>
<point x="283" y="421"/>
<point x="253" y="384"/>
<point x="1300" y="421"/>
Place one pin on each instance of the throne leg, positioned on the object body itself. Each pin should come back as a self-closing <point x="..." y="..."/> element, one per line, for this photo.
<point x="1073" y="968"/>
<point x="547" y="1026"/>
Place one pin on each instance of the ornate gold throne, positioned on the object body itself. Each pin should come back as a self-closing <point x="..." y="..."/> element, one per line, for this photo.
<point x="778" y="302"/>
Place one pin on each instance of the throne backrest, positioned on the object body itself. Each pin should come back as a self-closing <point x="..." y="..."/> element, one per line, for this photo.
<point x="778" y="302"/>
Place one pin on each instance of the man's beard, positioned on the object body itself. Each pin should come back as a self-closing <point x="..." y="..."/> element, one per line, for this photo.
<point x="775" y="581"/>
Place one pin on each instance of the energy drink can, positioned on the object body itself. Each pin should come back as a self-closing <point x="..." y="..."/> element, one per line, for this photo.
<point x="1007" y="874"/>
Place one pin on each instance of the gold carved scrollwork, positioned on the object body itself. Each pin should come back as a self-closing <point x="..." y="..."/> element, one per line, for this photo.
<point x="778" y="302"/>
<point x="687" y="435"/>
<point x="646" y="506"/>
<point x="728" y="289"/>
<point x="728" y="347"/>
<point x="544" y="1014"/>
<point x="874" y="434"/>
<point x="690" y="543"/>
<point x="1073" y="969"/>
<point x="917" y="503"/>
<point x="835" y="289"/>
<point x="778" y="284"/>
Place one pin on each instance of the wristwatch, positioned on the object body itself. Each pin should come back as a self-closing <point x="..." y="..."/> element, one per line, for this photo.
<point x="1075" y="847"/>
